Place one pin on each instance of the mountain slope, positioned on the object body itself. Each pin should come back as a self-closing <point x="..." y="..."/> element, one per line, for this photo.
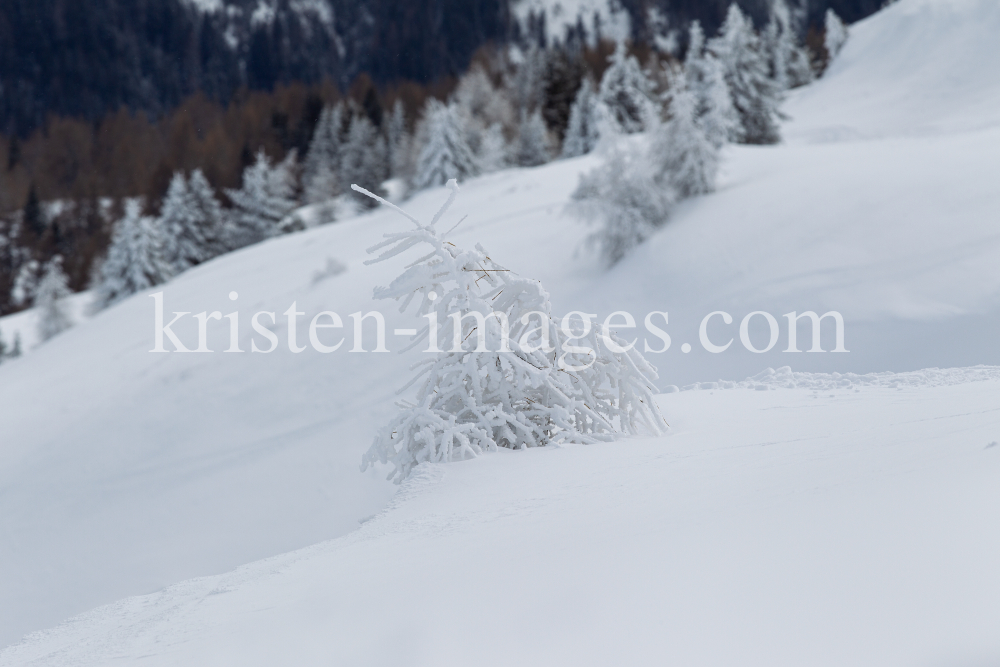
<point x="123" y="471"/>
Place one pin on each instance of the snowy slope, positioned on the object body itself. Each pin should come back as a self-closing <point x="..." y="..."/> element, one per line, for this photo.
<point x="922" y="67"/>
<point x="122" y="472"/>
<point x="836" y="528"/>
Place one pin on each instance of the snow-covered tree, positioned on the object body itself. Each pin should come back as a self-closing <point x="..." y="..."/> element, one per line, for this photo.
<point x="262" y="202"/>
<point x="583" y="131"/>
<point x="364" y="159"/>
<point x="789" y="62"/>
<point x="445" y="154"/>
<point x="626" y="92"/>
<point x="704" y="77"/>
<point x="511" y="377"/>
<point x="624" y="200"/>
<point x="533" y="141"/>
<point x="493" y="149"/>
<point x="755" y="95"/>
<point x="50" y="301"/>
<point x="683" y="158"/>
<point x="836" y="34"/>
<point x="209" y="212"/>
<point x="135" y="258"/>
<point x="320" y="170"/>
<point x="191" y="225"/>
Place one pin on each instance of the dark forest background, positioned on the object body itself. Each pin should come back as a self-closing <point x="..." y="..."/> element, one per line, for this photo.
<point x="106" y="99"/>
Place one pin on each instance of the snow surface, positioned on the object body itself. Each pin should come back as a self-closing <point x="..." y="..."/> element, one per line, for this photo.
<point x="803" y="529"/>
<point x="785" y="525"/>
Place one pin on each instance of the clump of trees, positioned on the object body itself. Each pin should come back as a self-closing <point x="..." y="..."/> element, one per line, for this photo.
<point x="206" y="179"/>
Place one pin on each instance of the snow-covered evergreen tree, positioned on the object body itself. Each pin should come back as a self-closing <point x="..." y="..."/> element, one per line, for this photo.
<point x="789" y="62"/>
<point x="583" y="131"/>
<point x="135" y="258"/>
<point x="533" y="141"/>
<point x="683" y="158"/>
<point x="493" y="149"/>
<point x="704" y="77"/>
<point x="836" y="34"/>
<point x="754" y="94"/>
<point x="188" y="237"/>
<point x="626" y="92"/>
<point x="624" y="200"/>
<point x="477" y="395"/>
<point x="50" y="301"/>
<point x="320" y="171"/>
<point x="208" y="212"/>
<point x="364" y="159"/>
<point x="262" y="202"/>
<point x="445" y="154"/>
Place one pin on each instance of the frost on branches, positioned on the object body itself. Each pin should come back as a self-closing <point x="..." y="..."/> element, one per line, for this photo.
<point x="544" y="387"/>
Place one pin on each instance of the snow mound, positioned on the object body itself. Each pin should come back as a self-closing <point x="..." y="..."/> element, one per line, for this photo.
<point x="917" y="67"/>
<point x="786" y="378"/>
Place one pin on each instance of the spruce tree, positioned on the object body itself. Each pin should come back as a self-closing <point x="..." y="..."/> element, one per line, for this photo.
<point x="320" y="172"/>
<point x="626" y="92"/>
<point x="50" y="301"/>
<point x="262" y="202"/>
<point x="583" y="131"/>
<point x="134" y="261"/>
<point x="754" y="93"/>
<point x="209" y="213"/>
<point x="533" y="141"/>
<point x="684" y="160"/>
<point x="704" y="78"/>
<point x="789" y="62"/>
<point x="363" y="158"/>
<point x="191" y="220"/>
<point x="445" y="154"/>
